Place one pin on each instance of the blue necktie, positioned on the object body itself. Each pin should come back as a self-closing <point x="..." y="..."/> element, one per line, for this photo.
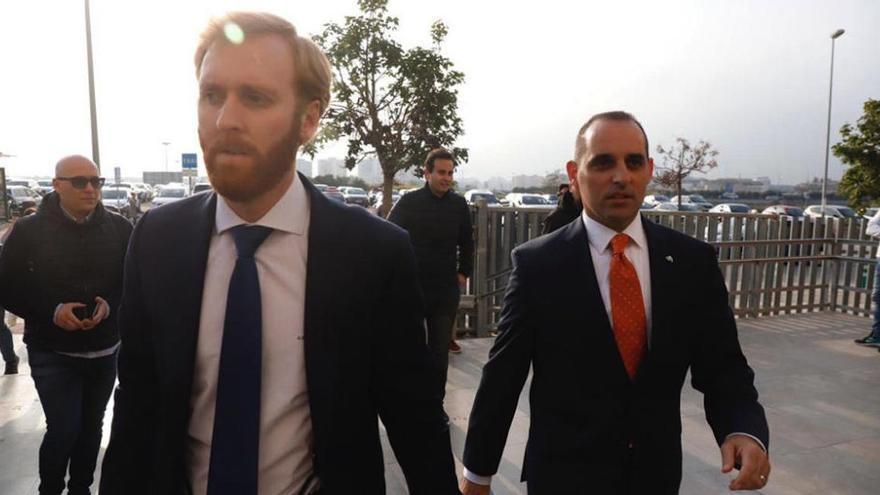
<point x="235" y="447"/>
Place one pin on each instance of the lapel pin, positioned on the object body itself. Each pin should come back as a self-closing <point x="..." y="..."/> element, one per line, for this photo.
<point x="669" y="259"/>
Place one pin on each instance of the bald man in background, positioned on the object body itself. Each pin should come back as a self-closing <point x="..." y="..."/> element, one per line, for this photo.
<point x="66" y="261"/>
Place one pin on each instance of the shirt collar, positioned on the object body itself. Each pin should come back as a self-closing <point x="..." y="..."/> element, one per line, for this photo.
<point x="290" y="214"/>
<point x="600" y="236"/>
<point x="72" y="217"/>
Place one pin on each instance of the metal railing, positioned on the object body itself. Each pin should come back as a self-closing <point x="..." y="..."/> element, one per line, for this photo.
<point x="771" y="265"/>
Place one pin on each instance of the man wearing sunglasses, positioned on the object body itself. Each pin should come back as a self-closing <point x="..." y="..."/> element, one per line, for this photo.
<point x="67" y="262"/>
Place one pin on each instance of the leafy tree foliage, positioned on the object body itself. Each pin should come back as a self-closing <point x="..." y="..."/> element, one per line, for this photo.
<point x="859" y="149"/>
<point x="390" y="102"/>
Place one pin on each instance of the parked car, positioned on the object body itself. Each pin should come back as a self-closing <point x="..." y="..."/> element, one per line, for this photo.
<point x="693" y="199"/>
<point x="334" y="194"/>
<point x="473" y="195"/>
<point x="355" y="196"/>
<point x="656" y="199"/>
<point x="870" y="212"/>
<point x="169" y="194"/>
<point x="526" y="200"/>
<point x="202" y="187"/>
<point x="729" y="208"/>
<point x="29" y="183"/>
<point x="116" y="199"/>
<point x="831" y="211"/>
<point x="784" y="210"/>
<point x="20" y="198"/>
<point x="551" y="199"/>
<point x="670" y="206"/>
<point x="44" y="187"/>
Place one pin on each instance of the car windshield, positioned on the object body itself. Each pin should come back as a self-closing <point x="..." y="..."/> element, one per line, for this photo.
<point x="794" y="212"/>
<point x="490" y="198"/>
<point x="171" y="193"/>
<point x="114" y="194"/>
<point x="739" y="208"/>
<point x="689" y="207"/>
<point x="846" y="212"/>
<point x="20" y="193"/>
<point x="696" y="198"/>
<point x="356" y="190"/>
<point x="532" y="200"/>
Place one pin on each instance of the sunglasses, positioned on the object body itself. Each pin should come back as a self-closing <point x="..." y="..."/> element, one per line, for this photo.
<point x="80" y="182"/>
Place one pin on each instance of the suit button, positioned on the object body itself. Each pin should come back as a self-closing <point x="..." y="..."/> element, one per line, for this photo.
<point x="630" y="445"/>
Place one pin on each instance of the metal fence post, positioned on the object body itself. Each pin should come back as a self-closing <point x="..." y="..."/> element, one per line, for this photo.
<point x="481" y="269"/>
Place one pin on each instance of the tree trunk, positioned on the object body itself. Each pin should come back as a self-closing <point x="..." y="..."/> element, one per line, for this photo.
<point x="387" y="190"/>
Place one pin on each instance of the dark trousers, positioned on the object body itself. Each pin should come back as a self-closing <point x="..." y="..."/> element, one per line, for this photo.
<point x="441" y="306"/>
<point x="6" y="346"/>
<point x="74" y="393"/>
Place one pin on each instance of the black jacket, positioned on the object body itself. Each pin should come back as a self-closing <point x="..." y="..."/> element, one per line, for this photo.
<point x="365" y="354"/>
<point x="592" y="430"/>
<point x="567" y="210"/>
<point x="441" y="234"/>
<point x="48" y="259"/>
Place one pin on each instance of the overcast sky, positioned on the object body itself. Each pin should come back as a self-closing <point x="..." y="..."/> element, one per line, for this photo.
<point x="751" y="77"/>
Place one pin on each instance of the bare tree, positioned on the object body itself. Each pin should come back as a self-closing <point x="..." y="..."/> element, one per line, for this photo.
<point x="681" y="160"/>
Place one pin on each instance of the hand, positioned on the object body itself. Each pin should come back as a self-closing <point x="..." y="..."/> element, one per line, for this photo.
<point x="462" y="281"/>
<point x="102" y="310"/>
<point x="755" y="470"/>
<point x="468" y="487"/>
<point x="65" y="318"/>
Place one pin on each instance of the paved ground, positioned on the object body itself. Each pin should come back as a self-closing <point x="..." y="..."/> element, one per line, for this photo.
<point x="817" y="387"/>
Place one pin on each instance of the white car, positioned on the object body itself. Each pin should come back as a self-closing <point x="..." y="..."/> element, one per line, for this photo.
<point x="730" y="208"/>
<point x="831" y="211"/>
<point x="169" y="194"/>
<point x="116" y="199"/>
<point x="473" y="195"/>
<point x="655" y="199"/>
<point x="355" y="196"/>
<point x="527" y="200"/>
<point x="693" y="199"/>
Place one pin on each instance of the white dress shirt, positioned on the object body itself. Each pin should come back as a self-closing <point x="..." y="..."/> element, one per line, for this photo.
<point x="285" y="422"/>
<point x="599" y="237"/>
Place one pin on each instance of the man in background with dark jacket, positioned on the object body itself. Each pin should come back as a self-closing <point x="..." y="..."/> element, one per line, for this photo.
<point x="67" y="262"/>
<point x="567" y="209"/>
<point x="439" y="224"/>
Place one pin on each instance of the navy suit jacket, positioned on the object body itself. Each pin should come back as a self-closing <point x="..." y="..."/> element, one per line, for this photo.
<point x="365" y="353"/>
<point x="592" y="429"/>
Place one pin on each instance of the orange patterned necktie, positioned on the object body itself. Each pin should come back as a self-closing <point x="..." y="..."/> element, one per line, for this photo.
<point x="627" y="307"/>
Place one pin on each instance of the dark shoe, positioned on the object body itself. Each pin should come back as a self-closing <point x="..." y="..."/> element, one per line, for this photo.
<point x="12" y="366"/>
<point x="454" y="347"/>
<point x="870" y="340"/>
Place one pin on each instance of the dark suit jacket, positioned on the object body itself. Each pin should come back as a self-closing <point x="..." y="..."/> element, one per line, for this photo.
<point x="365" y="353"/>
<point x="592" y="429"/>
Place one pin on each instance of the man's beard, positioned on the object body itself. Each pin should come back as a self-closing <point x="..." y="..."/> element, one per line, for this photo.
<point x="241" y="184"/>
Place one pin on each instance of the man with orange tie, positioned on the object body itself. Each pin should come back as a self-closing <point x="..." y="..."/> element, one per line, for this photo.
<point x="610" y="346"/>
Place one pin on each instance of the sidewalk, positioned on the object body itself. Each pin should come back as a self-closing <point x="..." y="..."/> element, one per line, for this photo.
<point x="817" y="386"/>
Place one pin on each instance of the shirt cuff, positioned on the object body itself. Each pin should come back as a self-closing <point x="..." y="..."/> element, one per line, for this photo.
<point x="747" y="435"/>
<point x="476" y="478"/>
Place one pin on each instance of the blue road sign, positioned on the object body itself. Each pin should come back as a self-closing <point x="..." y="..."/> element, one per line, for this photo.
<point x="189" y="161"/>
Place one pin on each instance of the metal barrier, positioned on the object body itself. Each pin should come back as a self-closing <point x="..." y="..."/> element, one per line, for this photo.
<point x="771" y="265"/>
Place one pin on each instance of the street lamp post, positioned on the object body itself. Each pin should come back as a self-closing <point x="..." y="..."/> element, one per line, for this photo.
<point x="834" y="36"/>
<point x="165" y="144"/>
<point x="96" y="157"/>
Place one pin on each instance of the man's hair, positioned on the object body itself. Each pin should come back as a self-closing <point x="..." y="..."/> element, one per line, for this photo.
<point x="311" y="69"/>
<point x="564" y="185"/>
<point x="580" y="144"/>
<point x="438" y="154"/>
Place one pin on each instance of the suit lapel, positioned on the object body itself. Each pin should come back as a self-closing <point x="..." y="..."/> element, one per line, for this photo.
<point x="661" y="273"/>
<point x="188" y="269"/>
<point x="321" y="342"/>
<point x="591" y="315"/>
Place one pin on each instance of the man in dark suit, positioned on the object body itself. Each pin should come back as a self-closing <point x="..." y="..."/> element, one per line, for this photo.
<point x="611" y="346"/>
<point x="249" y="361"/>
